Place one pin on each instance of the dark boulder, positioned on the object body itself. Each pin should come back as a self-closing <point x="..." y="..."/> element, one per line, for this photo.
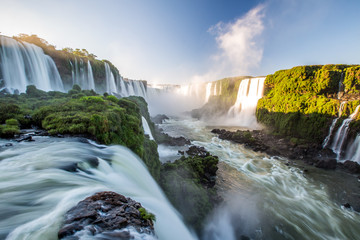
<point x="353" y="167"/>
<point x="326" y="163"/>
<point x="107" y="214"/>
<point x="197" y="151"/>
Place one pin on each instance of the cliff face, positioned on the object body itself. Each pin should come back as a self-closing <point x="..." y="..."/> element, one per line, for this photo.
<point x="301" y="102"/>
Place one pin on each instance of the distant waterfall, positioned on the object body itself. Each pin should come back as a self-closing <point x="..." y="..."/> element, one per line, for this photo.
<point x="90" y="77"/>
<point x="342" y="132"/>
<point x="353" y="153"/>
<point x="250" y="91"/>
<point x="328" y="137"/>
<point x="110" y="80"/>
<point x="208" y="91"/>
<point x="146" y="128"/>
<point x="25" y="64"/>
<point x="82" y="74"/>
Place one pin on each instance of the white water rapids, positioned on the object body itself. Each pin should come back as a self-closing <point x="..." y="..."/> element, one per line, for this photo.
<point x="35" y="191"/>
<point x="264" y="198"/>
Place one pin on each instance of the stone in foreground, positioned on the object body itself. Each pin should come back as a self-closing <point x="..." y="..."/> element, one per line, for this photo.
<point x="107" y="215"/>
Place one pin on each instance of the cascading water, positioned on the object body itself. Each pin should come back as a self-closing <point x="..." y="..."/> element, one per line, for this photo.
<point x="110" y="80"/>
<point x="215" y="89"/>
<point x="146" y="128"/>
<point x="266" y="199"/>
<point x="328" y="137"/>
<point x="90" y="77"/>
<point x="353" y="153"/>
<point x="38" y="186"/>
<point x="208" y="92"/>
<point x="83" y="75"/>
<point x="342" y="132"/>
<point x="243" y="111"/>
<point x="25" y="64"/>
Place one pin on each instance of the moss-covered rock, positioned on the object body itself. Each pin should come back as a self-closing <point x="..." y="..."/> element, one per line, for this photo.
<point x="188" y="182"/>
<point x="301" y="102"/>
<point x="10" y="128"/>
<point x="81" y="112"/>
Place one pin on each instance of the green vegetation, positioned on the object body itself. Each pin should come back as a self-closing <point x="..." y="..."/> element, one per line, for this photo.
<point x="188" y="184"/>
<point x="301" y="102"/>
<point x="81" y="112"/>
<point x="10" y="128"/>
<point x="146" y="215"/>
<point x="352" y="79"/>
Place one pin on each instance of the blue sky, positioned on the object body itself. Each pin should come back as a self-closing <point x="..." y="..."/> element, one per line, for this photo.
<point x="168" y="41"/>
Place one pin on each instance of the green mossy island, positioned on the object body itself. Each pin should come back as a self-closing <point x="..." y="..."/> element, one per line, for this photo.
<point x="107" y="120"/>
<point x="301" y="102"/>
<point x="188" y="183"/>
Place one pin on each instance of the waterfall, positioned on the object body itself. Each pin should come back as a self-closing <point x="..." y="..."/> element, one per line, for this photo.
<point x="110" y="80"/>
<point x="131" y="91"/>
<point x="72" y="72"/>
<point x="353" y="153"/>
<point x="341" y="85"/>
<point x="215" y="88"/>
<point x="250" y="91"/>
<point x="328" y="137"/>
<point x="208" y="92"/>
<point x="342" y="132"/>
<point x="35" y="194"/>
<point x="90" y="77"/>
<point x="146" y="128"/>
<point x="25" y="64"/>
<point x="83" y="75"/>
<point x="123" y="88"/>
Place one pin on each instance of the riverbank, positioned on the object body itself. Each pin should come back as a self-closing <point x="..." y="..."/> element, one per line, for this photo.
<point x="314" y="162"/>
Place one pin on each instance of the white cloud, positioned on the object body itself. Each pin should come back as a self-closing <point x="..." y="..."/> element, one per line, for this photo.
<point x="239" y="44"/>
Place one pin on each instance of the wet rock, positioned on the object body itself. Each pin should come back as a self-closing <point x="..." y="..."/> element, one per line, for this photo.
<point x="105" y="213"/>
<point x="71" y="167"/>
<point x="26" y="138"/>
<point x="159" y="119"/>
<point x="347" y="205"/>
<point x="8" y="145"/>
<point x="352" y="167"/>
<point x="197" y="151"/>
<point x="326" y="163"/>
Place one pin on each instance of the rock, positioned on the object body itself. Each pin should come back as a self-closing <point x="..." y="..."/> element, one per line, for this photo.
<point x="8" y="145"/>
<point x="347" y="205"/>
<point x="326" y="163"/>
<point x="26" y="138"/>
<point x="353" y="167"/>
<point x="197" y="151"/>
<point x="106" y="213"/>
<point x="159" y="119"/>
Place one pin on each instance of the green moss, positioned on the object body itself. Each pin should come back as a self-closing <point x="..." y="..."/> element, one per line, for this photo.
<point x="146" y="215"/>
<point x="301" y="102"/>
<point x="106" y="119"/>
<point x="10" y="128"/>
<point x="187" y="184"/>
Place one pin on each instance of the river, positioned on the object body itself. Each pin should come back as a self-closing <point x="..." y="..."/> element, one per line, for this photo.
<point x="266" y="198"/>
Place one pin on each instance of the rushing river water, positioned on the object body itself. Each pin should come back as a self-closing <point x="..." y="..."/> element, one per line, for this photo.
<point x="265" y="198"/>
<point x="38" y="185"/>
